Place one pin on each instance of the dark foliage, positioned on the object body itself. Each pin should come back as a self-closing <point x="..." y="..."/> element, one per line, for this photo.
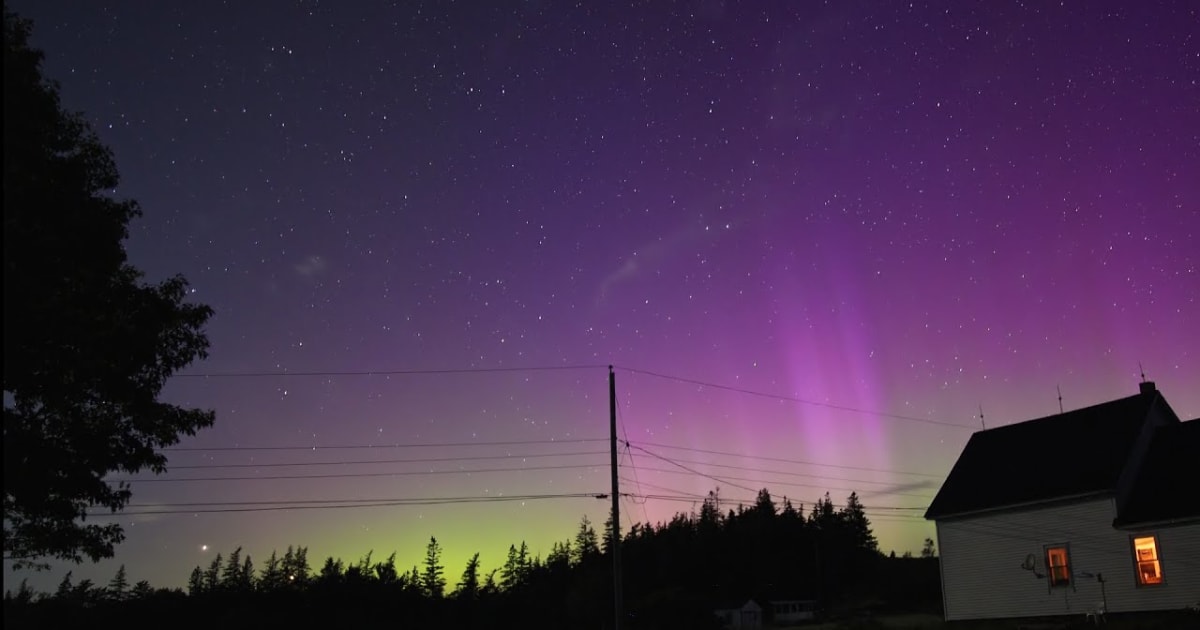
<point x="87" y="345"/>
<point x="673" y="573"/>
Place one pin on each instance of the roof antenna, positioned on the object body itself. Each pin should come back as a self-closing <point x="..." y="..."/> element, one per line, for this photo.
<point x="1060" y="409"/>
<point x="1142" y="370"/>
<point x="981" y="423"/>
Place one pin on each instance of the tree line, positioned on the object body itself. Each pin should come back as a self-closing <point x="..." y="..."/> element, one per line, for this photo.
<point x="674" y="572"/>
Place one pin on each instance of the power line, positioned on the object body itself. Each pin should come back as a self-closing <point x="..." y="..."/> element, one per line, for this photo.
<point x="692" y="470"/>
<point x="410" y="372"/>
<point x="697" y="497"/>
<point x="357" y="475"/>
<point x="784" y="472"/>
<point x="794" y="399"/>
<point x="419" y="460"/>
<point x="791" y="461"/>
<point x="629" y="455"/>
<point x="382" y="446"/>
<point x="388" y="503"/>
<point x="769" y="482"/>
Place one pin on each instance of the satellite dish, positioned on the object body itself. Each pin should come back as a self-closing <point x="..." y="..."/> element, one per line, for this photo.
<point x="1030" y="564"/>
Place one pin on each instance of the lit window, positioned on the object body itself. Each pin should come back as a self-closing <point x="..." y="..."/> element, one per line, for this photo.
<point x="1059" y="565"/>
<point x="1145" y="554"/>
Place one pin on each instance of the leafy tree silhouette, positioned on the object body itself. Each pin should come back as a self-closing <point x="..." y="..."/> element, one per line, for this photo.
<point x="87" y="345"/>
<point x="928" y="550"/>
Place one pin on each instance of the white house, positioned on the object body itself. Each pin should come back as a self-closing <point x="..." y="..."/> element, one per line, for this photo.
<point x="1092" y="509"/>
<point x="747" y="615"/>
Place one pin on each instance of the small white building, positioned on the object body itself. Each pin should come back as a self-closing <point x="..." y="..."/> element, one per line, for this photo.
<point x="1096" y="509"/>
<point x="789" y="612"/>
<point x="746" y="615"/>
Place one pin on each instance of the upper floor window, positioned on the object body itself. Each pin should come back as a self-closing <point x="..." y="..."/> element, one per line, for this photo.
<point x="1145" y="555"/>
<point x="1058" y="565"/>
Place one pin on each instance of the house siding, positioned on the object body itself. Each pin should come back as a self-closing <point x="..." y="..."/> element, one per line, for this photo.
<point x="981" y="558"/>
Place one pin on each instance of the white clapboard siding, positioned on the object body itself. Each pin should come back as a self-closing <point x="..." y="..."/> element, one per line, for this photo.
<point x="982" y="556"/>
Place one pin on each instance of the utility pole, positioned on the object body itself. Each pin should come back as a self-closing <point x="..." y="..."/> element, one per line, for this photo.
<point x="615" y="536"/>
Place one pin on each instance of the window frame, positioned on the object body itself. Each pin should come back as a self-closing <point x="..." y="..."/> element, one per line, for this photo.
<point x="1068" y="579"/>
<point x="1137" y="563"/>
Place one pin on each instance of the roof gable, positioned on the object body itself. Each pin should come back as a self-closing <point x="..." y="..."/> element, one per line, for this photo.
<point x="1160" y="492"/>
<point x="1072" y="454"/>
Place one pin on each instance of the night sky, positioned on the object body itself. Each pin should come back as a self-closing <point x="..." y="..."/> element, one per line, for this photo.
<point x="805" y="233"/>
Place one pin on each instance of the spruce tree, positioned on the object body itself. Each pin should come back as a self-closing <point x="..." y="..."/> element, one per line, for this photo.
<point x="212" y="577"/>
<point x="271" y="578"/>
<point x="432" y="581"/>
<point x="510" y="573"/>
<point x="118" y="587"/>
<point x="586" y="543"/>
<point x="468" y="585"/>
<point x="64" y="587"/>
<point x="141" y="590"/>
<point x="196" y="582"/>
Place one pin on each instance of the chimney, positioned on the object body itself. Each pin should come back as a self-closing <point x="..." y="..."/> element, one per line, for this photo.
<point x="1146" y="387"/>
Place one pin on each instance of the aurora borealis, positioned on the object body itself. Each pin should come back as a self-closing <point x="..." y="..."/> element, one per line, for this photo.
<point x="873" y="219"/>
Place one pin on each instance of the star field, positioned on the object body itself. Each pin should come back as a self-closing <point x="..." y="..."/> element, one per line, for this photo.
<point x="771" y="217"/>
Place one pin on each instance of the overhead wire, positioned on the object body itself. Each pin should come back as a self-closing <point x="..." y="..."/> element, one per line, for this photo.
<point x="692" y="470"/>
<point x="383" y="446"/>
<point x="405" y="473"/>
<point x="795" y="399"/>
<point x="769" y="482"/>
<point x="408" y="372"/>
<point x="629" y="456"/>
<point x="419" y="460"/>
<point x="791" y="461"/>
<point x="293" y="505"/>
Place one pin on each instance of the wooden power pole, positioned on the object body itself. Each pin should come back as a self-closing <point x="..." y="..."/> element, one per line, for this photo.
<point x="615" y="533"/>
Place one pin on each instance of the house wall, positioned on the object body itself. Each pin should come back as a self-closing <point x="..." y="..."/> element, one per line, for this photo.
<point x="981" y="560"/>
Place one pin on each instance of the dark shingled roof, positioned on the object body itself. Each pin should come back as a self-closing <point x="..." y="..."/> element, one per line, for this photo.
<point x="1161" y="491"/>
<point x="1071" y="454"/>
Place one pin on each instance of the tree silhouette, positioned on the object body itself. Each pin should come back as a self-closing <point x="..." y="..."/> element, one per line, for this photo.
<point x="928" y="550"/>
<point x="468" y="585"/>
<point x="385" y="571"/>
<point x="510" y="573"/>
<point x="87" y="345"/>
<point x="432" y="580"/>
<point x="196" y="582"/>
<point x="586" y="542"/>
<point x="141" y="590"/>
<point x="295" y="567"/>
<point x="118" y="587"/>
<point x="271" y="578"/>
<point x="331" y="572"/>
<point x="212" y="577"/>
<point x="64" y="587"/>
<point x="231" y="575"/>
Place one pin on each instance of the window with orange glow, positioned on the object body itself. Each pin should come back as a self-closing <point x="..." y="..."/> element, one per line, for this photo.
<point x="1145" y="554"/>
<point x="1058" y="565"/>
